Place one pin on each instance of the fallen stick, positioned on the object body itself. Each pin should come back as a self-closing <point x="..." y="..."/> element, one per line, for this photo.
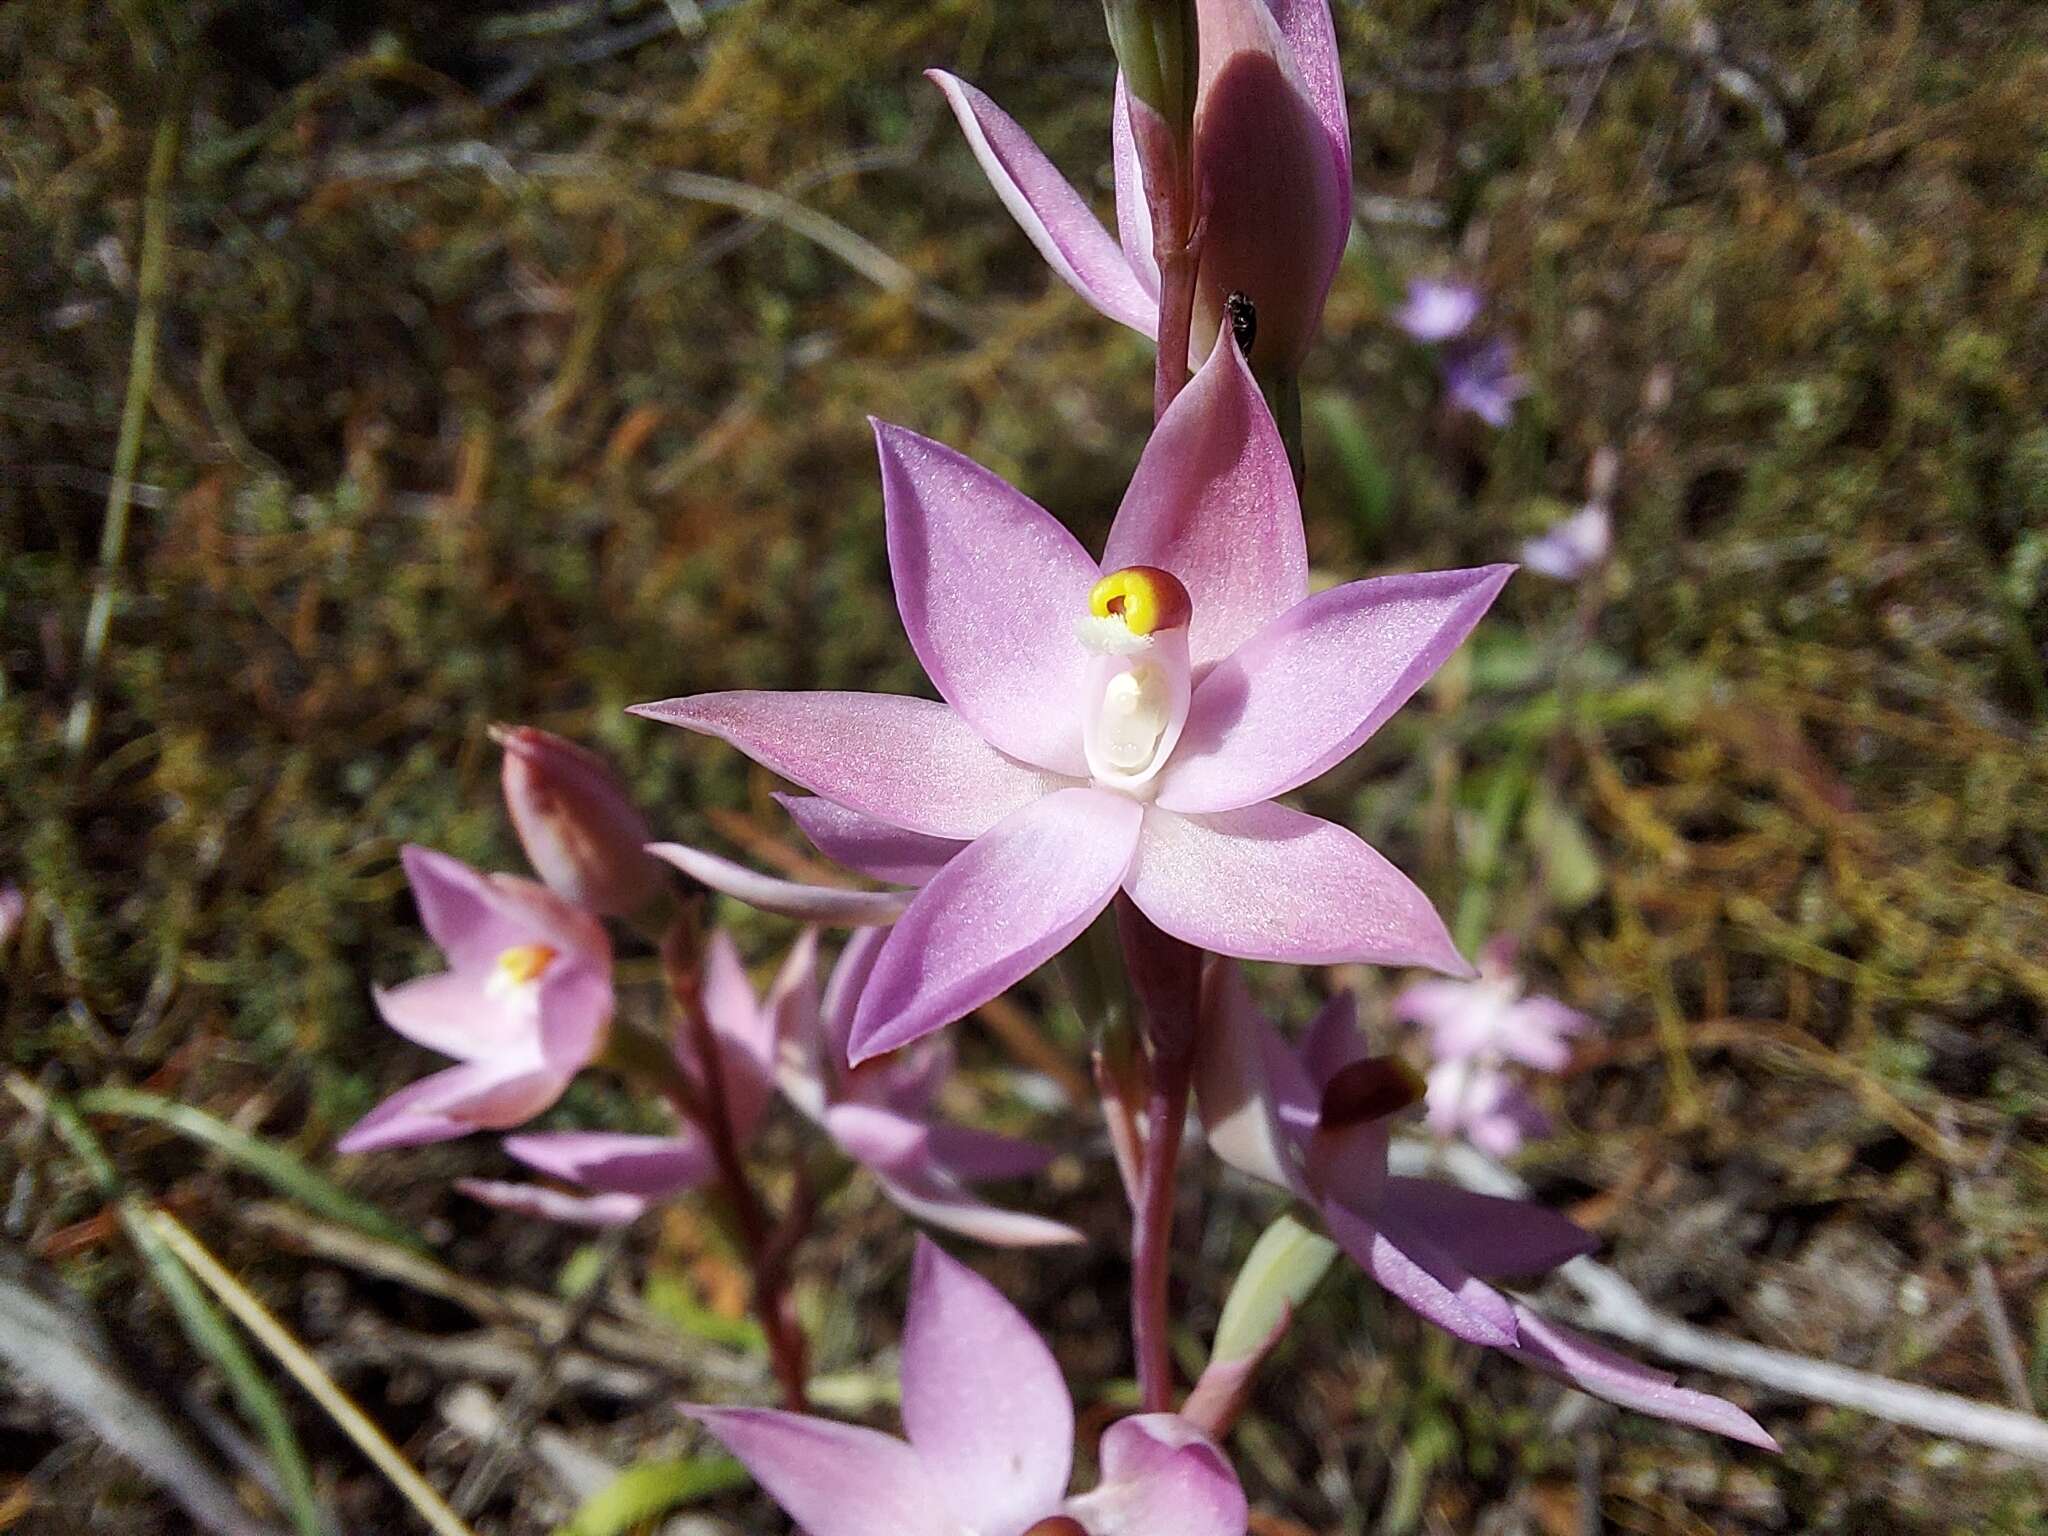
<point x="1608" y="1303"/>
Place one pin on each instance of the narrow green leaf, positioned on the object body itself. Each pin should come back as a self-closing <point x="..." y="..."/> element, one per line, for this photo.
<point x="281" y="1170"/>
<point x="211" y="1333"/>
<point x="651" y="1489"/>
<point x="1285" y="1264"/>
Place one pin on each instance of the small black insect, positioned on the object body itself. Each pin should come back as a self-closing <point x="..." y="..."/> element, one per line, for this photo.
<point x="1244" y="321"/>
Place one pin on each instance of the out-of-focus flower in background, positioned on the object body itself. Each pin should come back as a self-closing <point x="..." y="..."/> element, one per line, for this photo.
<point x="13" y="907"/>
<point x="525" y="1004"/>
<point x="1476" y="1031"/>
<point x="1479" y="372"/>
<point x="989" y="1441"/>
<point x="1572" y="547"/>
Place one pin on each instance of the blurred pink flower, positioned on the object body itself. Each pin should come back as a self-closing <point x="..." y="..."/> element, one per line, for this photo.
<point x="879" y="1115"/>
<point x="625" y="1173"/>
<point x="1272" y="155"/>
<point x="1438" y="310"/>
<point x="1480" y="377"/>
<point x="1483" y="1104"/>
<point x="1473" y="1030"/>
<point x="1573" y="546"/>
<point x="989" y="1444"/>
<point x="1316" y="1122"/>
<point x="13" y="906"/>
<point x="580" y="829"/>
<point x="1122" y="731"/>
<point x="525" y="1004"/>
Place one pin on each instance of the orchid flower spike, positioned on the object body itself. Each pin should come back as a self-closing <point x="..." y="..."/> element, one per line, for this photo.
<point x="880" y="1115"/>
<point x="580" y="829"/>
<point x="1272" y="154"/>
<point x="1316" y="1122"/>
<point x="525" y="1004"/>
<point x="989" y="1444"/>
<point x="1122" y="726"/>
<point x="620" y="1175"/>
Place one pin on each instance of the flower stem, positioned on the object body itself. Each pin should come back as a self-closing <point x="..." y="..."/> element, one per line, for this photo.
<point x="1177" y="268"/>
<point x="766" y="1250"/>
<point x="1165" y="974"/>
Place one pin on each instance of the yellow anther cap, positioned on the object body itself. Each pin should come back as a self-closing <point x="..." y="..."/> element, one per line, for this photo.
<point x="1146" y="598"/>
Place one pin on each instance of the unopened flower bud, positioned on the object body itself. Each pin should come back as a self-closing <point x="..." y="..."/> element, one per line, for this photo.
<point x="1272" y="160"/>
<point x="1058" y="1525"/>
<point x="1156" y="47"/>
<point x="581" y="832"/>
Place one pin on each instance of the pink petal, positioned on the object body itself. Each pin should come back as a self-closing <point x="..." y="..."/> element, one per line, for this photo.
<point x="1050" y="212"/>
<point x="1161" y="1477"/>
<point x="878" y="1138"/>
<point x="545" y="1204"/>
<point x="938" y="1201"/>
<point x="1133" y="210"/>
<point x="833" y="1479"/>
<point x="450" y="1013"/>
<point x="1333" y="1040"/>
<point x="614" y="1163"/>
<point x="1269" y="883"/>
<point x="1489" y="1236"/>
<point x="1312" y="39"/>
<point x="476" y="1096"/>
<point x="873" y="848"/>
<point x="972" y="1155"/>
<point x="1425" y="1279"/>
<point x="1275" y="185"/>
<point x="984" y="1404"/>
<point x="785" y="898"/>
<point x="1243" y="1074"/>
<point x="1590" y="1367"/>
<point x="1001" y="909"/>
<point x="1306" y="691"/>
<point x="843" y="989"/>
<point x="474" y="917"/>
<point x="1434" y="1004"/>
<point x="910" y="762"/>
<point x="1213" y="501"/>
<point x="575" y="1007"/>
<point x="790" y="1013"/>
<point x="989" y="585"/>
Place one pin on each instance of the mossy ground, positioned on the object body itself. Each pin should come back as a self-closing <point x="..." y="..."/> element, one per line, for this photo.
<point x="466" y="408"/>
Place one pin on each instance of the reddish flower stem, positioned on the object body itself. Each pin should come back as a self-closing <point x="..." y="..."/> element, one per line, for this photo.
<point x="766" y="1251"/>
<point x="1165" y="975"/>
<point x="1177" y="269"/>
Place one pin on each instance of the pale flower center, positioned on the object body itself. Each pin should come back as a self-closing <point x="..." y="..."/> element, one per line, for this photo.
<point x="518" y="971"/>
<point x="1137" y="679"/>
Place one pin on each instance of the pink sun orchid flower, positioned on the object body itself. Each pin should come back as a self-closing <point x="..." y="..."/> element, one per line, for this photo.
<point x="525" y="1004"/>
<point x="1316" y="1122"/>
<point x="1122" y="726"/>
<point x="880" y="1116"/>
<point x="621" y="1175"/>
<point x="989" y="1441"/>
<point x="1272" y="150"/>
<point x="581" y="831"/>
<point x="1490" y="1018"/>
<point x="1474" y="1029"/>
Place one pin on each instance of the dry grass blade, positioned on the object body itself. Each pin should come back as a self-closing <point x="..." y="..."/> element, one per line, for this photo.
<point x="308" y="1372"/>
